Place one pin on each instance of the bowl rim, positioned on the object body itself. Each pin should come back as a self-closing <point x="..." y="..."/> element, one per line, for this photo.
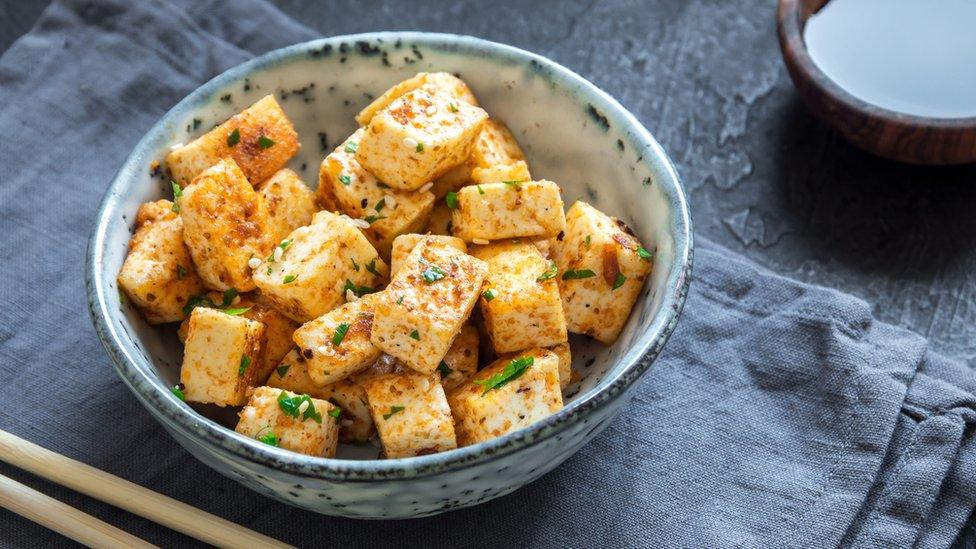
<point x="172" y="413"/>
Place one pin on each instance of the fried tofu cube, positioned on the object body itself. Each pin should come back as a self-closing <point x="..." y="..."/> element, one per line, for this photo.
<point x="268" y="417"/>
<point x="461" y="359"/>
<point x="347" y="186"/>
<point x="498" y="400"/>
<point x="441" y="220"/>
<point x="158" y="274"/>
<point x="493" y="211"/>
<point x="220" y="357"/>
<point x="602" y="269"/>
<point x="520" y="304"/>
<point x="260" y="139"/>
<point x="225" y="224"/>
<point x="309" y="273"/>
<point x="562" y="352"/>
<point x="517" y="171"/>
<point x="411" y="414"/>
<point x="420" y="136"/>
<point x="442" y="81"/>
<point x="417" y="316"/>
<point x="336" y="344"/>
<point x="355" y="421"/>
<point x="289" y="201"/>
<point x="405" y="243"/>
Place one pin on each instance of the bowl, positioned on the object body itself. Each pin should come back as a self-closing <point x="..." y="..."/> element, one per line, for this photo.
<point x="572" y="133"/>
<point x="890" y="134"/>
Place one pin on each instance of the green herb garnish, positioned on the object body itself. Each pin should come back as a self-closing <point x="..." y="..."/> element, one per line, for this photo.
<point x="352" y="147"/>
<point x="197" y="301"/>
<point x="587" y="241"/>
<point x="355" y="266"/>
<point x="452" y="107"/>
<point x="644" y="254"/>
<point x="283" y="369"/>
<point x="291" y="406"/>
<point x="340" y="333"/>
<point x="180" y="272"/>
<point x="619" y="281"/>
<point x="488" y="294"/>
<point x="420" y="147"/>
<point x="549" y="273"/>
<point x="379" y="205"/>
<point x="578" y="274"/>
<point x="400" y="300"/>
<point x="234" y="137"/>
<point x="393" y="410"/>
<point x="432" y="274"/>
<point x="229" y="296"/>
<point x="289" y="278"/>
<point x="269" y="438"/>
<point x="444" y="369"/>
<point x="415" y="335"/>
<point x="237" y="311"/>
<point x="178" y="393"/>
<point x="177" y="195"/>
<point x="345" y="179"/>
<point x="516" y="184"/>
<point x="480" y="190"/>
<point x="335" y="412"/>
<point x="373" y="218"/>
<point x="359" y="291"/>
<point x="245" y="364"/>
<point x="371" y="267"/>
<point x="452" y="200"/>
<point x="513" y="370"/>
<point x="265" y="142"/>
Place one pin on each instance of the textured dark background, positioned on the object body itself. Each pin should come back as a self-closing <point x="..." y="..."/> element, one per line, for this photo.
<point x="763" y="178"/>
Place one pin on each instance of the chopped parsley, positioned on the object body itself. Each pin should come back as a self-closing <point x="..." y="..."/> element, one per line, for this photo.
<point x="229" y="296"/>
<point x="379" y="205"/>
<point x="452" y="107"/>
<point x="355" y="266"/>
<point x="265" y="142"/>
<point x="444" y="369"/>
<point x="587" y="241"/>
<point x="197" y="301"/>
<point x="269" y="438"/>
<point x="619" y="281"/>
<point x="550" y="272"/>
<point x="237" y="311"/>
<point x="516" y="184"/>
<point x="513" y="370"/>
<point x="360" y="291"/>
<point x="335" y="412"/>
<point x="180" y="272"/>
<point x="352" y="147"/>
<point x="432" y="274"/>
<point x="415" y="335"/>
<point x="578" y="274"/>
<point x="283" y="369"/>
<point x="400" y="300"/>
<point x="488" y="294"/>
<point x="234" y="137"/>
<point x="382" y="185"/>
<point x="393" y="410"/>
<point x="480" y="190"/>
<point x="371" y="267"/>
<point x="452" y="200"/>
<point x="340" y="333"/>
<point x="289" y="278"/>
<point x="177" y="391"/>
<point x="285" y="243"/>
<point x="644" y="254"/>
<point x="177" y="195"/>
<point x="373" y="218"/>
<point x="292" y="406"/>
<point x="345" y="179"/>
<point x="420" y="147"/>
<point x="245" y="364"/>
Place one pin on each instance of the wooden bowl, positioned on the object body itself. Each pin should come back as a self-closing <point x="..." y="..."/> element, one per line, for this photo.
<point x="894" y="135"/>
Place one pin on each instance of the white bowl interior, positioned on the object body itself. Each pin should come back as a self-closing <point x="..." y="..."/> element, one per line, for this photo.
<point x="566" y="139"/>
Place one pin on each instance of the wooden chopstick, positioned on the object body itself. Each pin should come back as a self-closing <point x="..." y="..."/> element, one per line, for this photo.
<point x="63" y="518"/>
<point x="127" y="495"/>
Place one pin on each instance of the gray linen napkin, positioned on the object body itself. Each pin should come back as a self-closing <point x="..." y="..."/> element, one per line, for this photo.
<point x="780" y="414"/>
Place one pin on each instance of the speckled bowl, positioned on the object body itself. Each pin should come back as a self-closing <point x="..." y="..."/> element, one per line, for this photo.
<point x="572" y="133"/>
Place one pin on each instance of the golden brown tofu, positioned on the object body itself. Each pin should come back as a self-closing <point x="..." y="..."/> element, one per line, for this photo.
<point x="602" y="268"/>
<point x="520" y="303"/>
<point x="336" y="345"/>
<point x="442" y="81"/>
<point x="294" y="422"/>
<point x="260" y="139"/>
<point x="461" y="359"/>
<point x="289" y="201"/>
<point x="405" y="243"/>
<point x="441" y="220"/>
<point x="158" y="275"/>
<point x="493" y="211"/>
<point x="516" y="171"/>
<point x="221" y="357"/>
<point x="420" y="313"/>
<point x="495" y="153"/>
<point x="411" y="414"/>
<point x="510" y="394"/>
<point x="562" y="351"/>
<point x="225" y="224"/>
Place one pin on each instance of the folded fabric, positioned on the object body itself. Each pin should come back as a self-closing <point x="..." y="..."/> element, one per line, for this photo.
<point x="780" y="414"/>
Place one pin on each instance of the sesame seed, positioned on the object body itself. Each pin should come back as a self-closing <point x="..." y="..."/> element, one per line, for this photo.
<point x="427" y="186"/>
<point x="178" y="146"/>
<point x="479" y="241"/>
<point x="390" y="200"/>
<point x="410" y="142"/>
<point x="236" y="301"/>
<point x="253" y="263"/>
<point x="278" y="253"/>
<point x="351" y="296"/>
<point x="361" y="223"/>
<point x="303" y="406"/>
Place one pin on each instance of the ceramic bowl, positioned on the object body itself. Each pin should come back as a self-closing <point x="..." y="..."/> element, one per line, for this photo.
<point x="572" y="133"/>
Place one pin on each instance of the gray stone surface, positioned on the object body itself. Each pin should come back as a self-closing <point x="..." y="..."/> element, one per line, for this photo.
<point x="763" y="177"/>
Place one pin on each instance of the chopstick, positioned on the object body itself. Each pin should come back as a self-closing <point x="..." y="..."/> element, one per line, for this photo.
<point x="127" y="495"/>
<point x="63" y="518"/>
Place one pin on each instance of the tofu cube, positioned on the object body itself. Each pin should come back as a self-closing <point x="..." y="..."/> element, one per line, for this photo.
<point x="289" y="201"/>
<point x="221" y="357"/>
<point x="420" y="136"/>
<point x="405" y="243"/>
<point x="225" y="224"/>
<point x="461" y="360"/>
<point x="520" y="303"/>
<point x="260" y="139"/>
<point x="494" y="147"/>
<point x="316" y="266"/>
<point x="278" y="331"/>
<point x="419" y="314"/>
<point x="336" y="344"/>
<point x="268" y="419"/>
<point x="346" y="186"/>
<point x="496" y="401"/>
<point x="158" y="274"/>
<point x="516" y="171"/>
<point x="601" y="272"/>
<point x="562" y="352"/>
<point x="441" y="220"/>
<point x="493" y="211"/>
<point x="441" y="81"/>
<point x="355" y="421"/>
<point x="411" y="414"/>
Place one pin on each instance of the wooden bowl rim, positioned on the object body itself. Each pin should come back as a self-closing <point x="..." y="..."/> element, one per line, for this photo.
<point x="791" y="20"/>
